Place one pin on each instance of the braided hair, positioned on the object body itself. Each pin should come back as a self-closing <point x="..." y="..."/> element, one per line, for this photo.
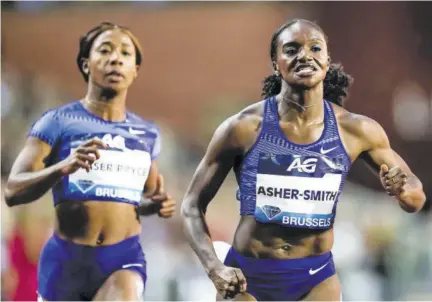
<point x="86" y="43"/>
<point x="336" y="82"/>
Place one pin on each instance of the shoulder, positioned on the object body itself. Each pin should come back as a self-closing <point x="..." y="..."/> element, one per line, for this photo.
<point x="53" y="118"/>
<point x="135" y="120"/>
<point x="49" y="126"/>
<point x="68" y="108"/>
<point x="239" y="129"/>
<point x="57" y="113"/>
<point x="369" y="131"/>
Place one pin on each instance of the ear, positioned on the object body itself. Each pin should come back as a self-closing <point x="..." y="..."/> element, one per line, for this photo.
<point x="137" y="67"/>
<point x="85" y="66"/>
<point x="275" y="66"/>
<point x="328" y="63"/>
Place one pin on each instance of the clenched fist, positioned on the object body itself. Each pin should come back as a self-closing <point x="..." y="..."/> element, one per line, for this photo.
<point x="229" y="281"/>
<point x="163" y="200"/>
<point x="393" y="180"/>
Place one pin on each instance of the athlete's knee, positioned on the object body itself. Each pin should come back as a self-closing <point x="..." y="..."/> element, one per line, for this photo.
<point x="125" y="285"/>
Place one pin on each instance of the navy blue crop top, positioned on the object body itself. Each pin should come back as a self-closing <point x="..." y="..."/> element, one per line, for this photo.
<point x="122" y="170"/>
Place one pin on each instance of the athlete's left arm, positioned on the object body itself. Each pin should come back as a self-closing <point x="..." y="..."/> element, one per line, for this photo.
<point x="395" y="175"/>
<point x="151" y="184"/>
<point x="156" y="200"/>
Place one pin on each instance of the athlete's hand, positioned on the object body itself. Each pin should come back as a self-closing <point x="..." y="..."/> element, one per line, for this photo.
<point x="229" y="281"/>
<point x="393" y="180"/>
<point x="83" y="157"/>
<point x="165" y="201"/>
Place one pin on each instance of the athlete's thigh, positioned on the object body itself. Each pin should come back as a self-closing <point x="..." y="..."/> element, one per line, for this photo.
<point x="328" y="290"/>
<point x="239" y="297"/>
<point x="122" y="285"/>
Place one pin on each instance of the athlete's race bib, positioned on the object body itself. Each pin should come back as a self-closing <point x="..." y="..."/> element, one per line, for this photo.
<point x="296" y="191"/>
<point x="119" y="174"/>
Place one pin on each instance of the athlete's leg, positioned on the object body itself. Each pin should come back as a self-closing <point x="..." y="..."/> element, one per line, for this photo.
<point x="328" y="290"/>
<point x="123" y="285"/>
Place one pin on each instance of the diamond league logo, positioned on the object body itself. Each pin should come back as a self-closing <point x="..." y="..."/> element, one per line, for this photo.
<point x="84" y="185"/>
<point x="271" y="211"/>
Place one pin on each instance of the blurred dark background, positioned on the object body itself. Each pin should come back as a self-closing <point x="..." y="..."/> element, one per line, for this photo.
<point x="202" y="63"/>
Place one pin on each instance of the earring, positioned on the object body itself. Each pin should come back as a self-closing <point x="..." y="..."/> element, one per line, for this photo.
<point x="277" y="73"/>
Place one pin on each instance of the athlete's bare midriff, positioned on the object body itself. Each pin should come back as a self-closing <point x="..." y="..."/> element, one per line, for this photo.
<point x="109" y="223"/>
<point x="273" y="241"/>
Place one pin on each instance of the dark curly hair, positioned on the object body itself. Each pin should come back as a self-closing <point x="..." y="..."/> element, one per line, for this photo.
<point x="336" y="82"/>
<point x="86" y="42"/>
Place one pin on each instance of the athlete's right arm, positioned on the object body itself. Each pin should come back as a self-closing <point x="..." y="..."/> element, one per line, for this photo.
<point x="29" y="178"/>
<point x="229" y="144"/>
<point x="209" y="176"/>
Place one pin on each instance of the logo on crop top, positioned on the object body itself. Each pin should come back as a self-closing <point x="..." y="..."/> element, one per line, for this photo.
<point x="325" y="151"/>
<point x="117" y="141"/>
<point x="308" y="165"/>
<point x="136" y="131"/>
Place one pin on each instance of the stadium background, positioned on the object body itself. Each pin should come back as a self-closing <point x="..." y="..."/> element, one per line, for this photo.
<point x="202" y="63"/>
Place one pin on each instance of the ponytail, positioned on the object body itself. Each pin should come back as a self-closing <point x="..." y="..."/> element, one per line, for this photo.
<point x="271" y="86"/>
<point x="336" y="84"/>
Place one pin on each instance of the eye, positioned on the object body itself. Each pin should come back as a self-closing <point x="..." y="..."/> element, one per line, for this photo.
<point x="126" y="53"/>
<point x="290" y="51"/>
<point x="104" y="51"/>
<point x="316" y="48"/>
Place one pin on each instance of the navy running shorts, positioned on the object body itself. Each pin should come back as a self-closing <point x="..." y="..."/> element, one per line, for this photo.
<point x="282" y="280"/>
<point x="71" y="272"/>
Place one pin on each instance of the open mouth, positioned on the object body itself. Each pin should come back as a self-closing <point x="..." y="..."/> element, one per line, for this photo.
<point x="115" y="74"/>
<point x="305" y="69"/>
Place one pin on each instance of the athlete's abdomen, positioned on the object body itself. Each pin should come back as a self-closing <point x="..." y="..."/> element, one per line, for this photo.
<point x="274" y="241"/>
<point x="106" y="223"/>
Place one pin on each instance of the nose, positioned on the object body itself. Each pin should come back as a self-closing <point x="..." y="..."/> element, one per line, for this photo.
<point x="304" y="55"/>
<point x="115" y="58"/>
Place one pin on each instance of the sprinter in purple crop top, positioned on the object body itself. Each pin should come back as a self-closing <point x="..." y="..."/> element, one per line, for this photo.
<point x="100" y="160"/>
<point x="291" y="154"/>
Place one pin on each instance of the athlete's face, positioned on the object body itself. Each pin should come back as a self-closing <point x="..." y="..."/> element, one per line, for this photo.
<point x="302" y="57"/>
<point x="112" y="61"/>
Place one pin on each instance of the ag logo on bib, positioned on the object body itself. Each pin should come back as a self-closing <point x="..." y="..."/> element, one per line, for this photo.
<point x="307" y="165"/>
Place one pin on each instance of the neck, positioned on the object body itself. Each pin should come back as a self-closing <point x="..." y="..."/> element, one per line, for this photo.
<point x="300" y="103"/>
<point x="108" y="104"/>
